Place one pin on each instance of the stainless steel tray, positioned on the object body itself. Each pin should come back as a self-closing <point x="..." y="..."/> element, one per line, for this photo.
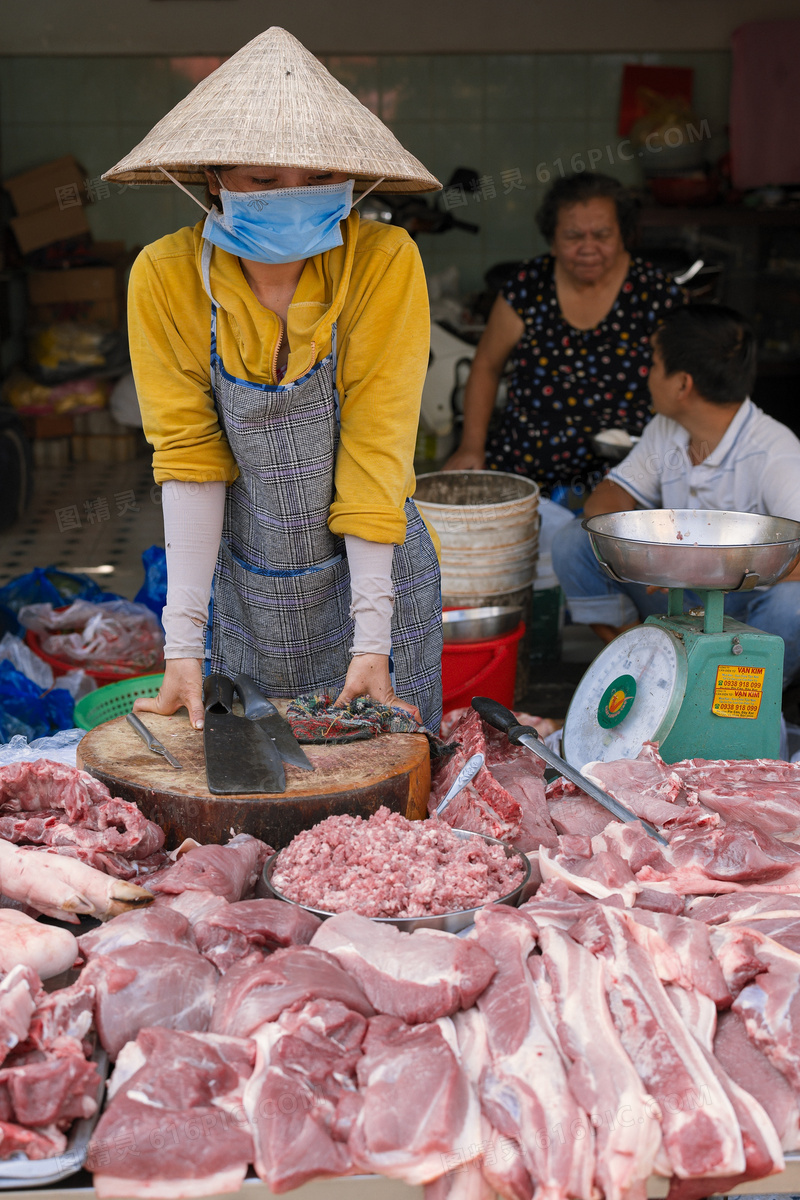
<point x="20" y="1172"/>
<point x="450" y="922"/>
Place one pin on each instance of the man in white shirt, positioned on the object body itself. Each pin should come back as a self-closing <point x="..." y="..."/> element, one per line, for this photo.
<point x="707" y="447"/>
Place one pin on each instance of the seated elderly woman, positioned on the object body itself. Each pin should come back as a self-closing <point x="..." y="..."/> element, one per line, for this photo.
<point x="576" y="323"/>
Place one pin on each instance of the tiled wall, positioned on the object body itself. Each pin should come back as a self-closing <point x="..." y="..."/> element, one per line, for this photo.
<point x="494" y="113"/>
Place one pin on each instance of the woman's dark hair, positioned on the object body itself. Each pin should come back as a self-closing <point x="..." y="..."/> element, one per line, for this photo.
<point x="715" y="345"/>
<point x="577" y="189"/>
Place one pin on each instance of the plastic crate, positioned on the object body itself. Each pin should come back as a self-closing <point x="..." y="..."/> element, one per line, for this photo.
<point x="114" y="700"/>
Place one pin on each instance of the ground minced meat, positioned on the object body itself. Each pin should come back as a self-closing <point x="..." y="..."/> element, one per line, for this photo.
<point x="388" y="866"/>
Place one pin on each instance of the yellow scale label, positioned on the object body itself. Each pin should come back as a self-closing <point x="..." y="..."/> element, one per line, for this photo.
<point x="738" y="691"/>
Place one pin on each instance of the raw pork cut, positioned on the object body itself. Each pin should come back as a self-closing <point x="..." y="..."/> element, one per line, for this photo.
<point x="235" y="930"/>
<point x="753" y="1071"/>
<point x="587" y="865"/>
<point x="418" y="1108"/>
<point x="175" y="1126"/>
<point x="506" y="799"/>
<point x="46" y="948"/>
<point x="302" y="1097"/>
<point x="153" y="924"/>
<point x="525" y="1093"/>
<point x="500" y="1165"/>
<point x="699" y="1126"/>
<point x="61" y="887"/>
<point x="602" y="1078"/>
<point x="75" y="814"/>
<point x="149" y="983"/>
<point x="19" y="991"/>
<point x="650" y="789"/>
<point x="257" y="990"/>
<point x="770" y="1004"/>
<point x="230" y="871"/>
<point x="33" y="1143"/>
<point x="417" y="976"/>
<point x="56" y="1090"/>
<point x="681" y="951"/>
<point x="572" y="811"/>
<point x="761" y="792"/>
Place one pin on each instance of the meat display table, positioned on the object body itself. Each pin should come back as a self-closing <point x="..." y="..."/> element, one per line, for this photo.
<point x="375" y="1187"/>
<point x="357" y="778"/>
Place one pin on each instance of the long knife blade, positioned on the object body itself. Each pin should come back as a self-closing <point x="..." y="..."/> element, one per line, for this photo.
<point x="240" y="757"/>
<point x="503" y="719"/>
<point x="151" y="741"/>
<point x="264" y="713"/>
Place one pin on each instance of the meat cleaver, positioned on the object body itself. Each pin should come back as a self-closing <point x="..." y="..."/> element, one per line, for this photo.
<point x="264" y="713"/>
<point x="240" y="756"/>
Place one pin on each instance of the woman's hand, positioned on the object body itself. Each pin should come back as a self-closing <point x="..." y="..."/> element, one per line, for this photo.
<point x="465" y="460"/>
<point x="182" y="688"/>
<point x="368" y="675"/>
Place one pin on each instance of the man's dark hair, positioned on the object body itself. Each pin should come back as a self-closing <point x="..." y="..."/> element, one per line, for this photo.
<point x="715" y="345"/>
<point x="577" y="189"/>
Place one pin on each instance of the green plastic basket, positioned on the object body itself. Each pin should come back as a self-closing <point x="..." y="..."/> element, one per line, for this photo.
<point x="114" y="700"/>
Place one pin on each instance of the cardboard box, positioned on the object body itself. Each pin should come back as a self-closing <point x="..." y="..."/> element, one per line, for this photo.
<point x="49" y="225"/>
<point x="43" y="186"/>
<point x="75" y="283"/>
<point x="50" y="425"/>
<point x="94" y="312"/>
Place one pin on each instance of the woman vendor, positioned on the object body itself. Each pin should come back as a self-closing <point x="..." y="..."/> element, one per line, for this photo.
<point x="279" y="349"/>
<point x="576" y="324"/>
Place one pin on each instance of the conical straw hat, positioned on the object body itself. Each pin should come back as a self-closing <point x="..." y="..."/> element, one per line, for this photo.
<point x="273" y="103"/>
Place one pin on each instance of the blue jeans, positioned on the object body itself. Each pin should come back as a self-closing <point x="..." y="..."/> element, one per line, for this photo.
<point x="594" y="598"/>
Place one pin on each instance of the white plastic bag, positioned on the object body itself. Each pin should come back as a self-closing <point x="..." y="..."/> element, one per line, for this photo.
<point x="116" y="633"/>
<point x="61" y="747"/>
<point x="25" y="661"/>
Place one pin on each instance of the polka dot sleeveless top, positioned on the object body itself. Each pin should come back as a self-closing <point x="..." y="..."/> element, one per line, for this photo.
<point x="567" y="384"/>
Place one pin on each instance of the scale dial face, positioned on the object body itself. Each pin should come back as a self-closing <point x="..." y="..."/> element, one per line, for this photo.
<point x="623" y="698"/>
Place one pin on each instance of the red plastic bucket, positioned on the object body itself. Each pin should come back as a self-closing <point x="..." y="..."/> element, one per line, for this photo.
<point x="480" y="669"/>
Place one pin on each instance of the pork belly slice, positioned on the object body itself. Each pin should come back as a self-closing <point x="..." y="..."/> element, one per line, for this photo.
<point x="750" y="1068"/>
<point x="602" y="1077"/>
<point x="741" y="906"/>
<point x="500" y="1167"/>
<point x="149" y="983"/>
<point x="699" y="1126"/>
<point x="762" y="792"/>
<point x="156" y="923"/>
<point x="235" y="930"/>
<point x="417" y="977"/>
<point x="302" y="1099"/>
<point x="769" y="1004"/>
<point x="419" y="1113"/>
<point x="650" y="789"/>
<point x="525" y="1092"/>
<point x="230" y="871"/>
<point x="256" y="990"/>
<point x="681" y="952"/>
<point x="175" y="1126"/>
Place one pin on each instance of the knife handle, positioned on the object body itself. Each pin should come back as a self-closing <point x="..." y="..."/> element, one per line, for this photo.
<point x="255" y="705"/>
<point x="502" y="718"/>
<point x="217" y="694"/>
<point x="142" y="730"/>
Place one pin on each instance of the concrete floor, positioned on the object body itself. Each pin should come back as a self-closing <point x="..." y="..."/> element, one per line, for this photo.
<point x="86" y="516"/>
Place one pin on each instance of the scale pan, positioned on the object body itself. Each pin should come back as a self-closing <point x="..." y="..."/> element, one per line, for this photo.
<point x="695" y="548"/>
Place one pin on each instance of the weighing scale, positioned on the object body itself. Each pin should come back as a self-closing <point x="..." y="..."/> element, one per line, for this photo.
<point x="699" y="684"/>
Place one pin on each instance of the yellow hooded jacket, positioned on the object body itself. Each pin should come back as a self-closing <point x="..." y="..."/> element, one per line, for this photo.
<point x="373" y="285"/>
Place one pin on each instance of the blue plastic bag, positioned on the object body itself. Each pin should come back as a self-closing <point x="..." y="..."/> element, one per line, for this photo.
<point x="28" y="710"/>
<point x="49" y="585"/>
<point x="153" y="591"/>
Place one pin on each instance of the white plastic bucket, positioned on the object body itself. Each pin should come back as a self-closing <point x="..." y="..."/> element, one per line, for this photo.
<point x="488" y="524"/>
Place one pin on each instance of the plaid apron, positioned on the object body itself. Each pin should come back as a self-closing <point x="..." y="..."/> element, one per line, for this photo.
<point x="280" y="600"/>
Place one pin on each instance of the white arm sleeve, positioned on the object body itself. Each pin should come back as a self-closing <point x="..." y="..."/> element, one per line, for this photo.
<point x="193" y="515"/>
<point x="372" y="594"/>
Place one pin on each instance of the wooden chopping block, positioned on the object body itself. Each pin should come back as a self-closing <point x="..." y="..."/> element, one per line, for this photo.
<point x="355" y="779"/>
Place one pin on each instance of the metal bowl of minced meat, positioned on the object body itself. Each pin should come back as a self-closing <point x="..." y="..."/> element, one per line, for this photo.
<point x="451" y="922"/>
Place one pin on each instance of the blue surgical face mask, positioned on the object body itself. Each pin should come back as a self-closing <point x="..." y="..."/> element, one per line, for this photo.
<point x="282" y="225"/>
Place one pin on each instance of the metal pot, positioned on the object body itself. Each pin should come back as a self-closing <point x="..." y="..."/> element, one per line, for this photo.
<point x="479" y="624"/>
